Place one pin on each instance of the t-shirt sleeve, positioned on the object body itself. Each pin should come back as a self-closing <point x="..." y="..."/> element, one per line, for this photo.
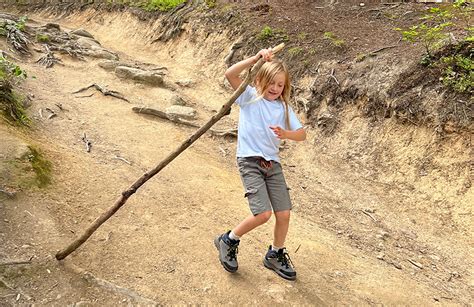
<point x="295" y="124"/>
<point x="246" y="96"/>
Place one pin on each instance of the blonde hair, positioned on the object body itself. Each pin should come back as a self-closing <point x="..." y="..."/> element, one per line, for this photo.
<point x="265" y="76"/>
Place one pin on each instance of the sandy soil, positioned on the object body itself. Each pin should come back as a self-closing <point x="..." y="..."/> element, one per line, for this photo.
<point x="356" y="238"/>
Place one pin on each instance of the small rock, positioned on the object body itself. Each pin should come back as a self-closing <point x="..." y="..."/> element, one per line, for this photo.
<point x="101" y="53"/>
<point x="181" y="112"/>
<point x="382" y="235"/>
<point x="87" y="43"/>
<point x="82" y="32"/>
<point x="381" y="256"/>
<point x="185" y="83"/>
<point x="109" y="65"/>
<point x="178" y="101"/>
<point x="52" y="26"/>
<point x="145" y="76"/>
<point x="338" y="274"/>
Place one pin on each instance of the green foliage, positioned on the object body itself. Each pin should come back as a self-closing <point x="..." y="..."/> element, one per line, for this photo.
<point x="211" y="3"/>
<point x="334" y="39"/>
<point x="295" y="51"/>
<point x="431" y="31"/>
<point x="265" y="33"/>
<point x="268" y="33"/>
<point x="470" y="35"/>
<point x="459" y="73"/>
<point x="41" y="167"/>
<point x="9" y="70"/>
<point x="11" y="103"/>
<point x="162" y="5"/>
<point x="42" y="38"/>
<point x="431" y="37"/>
<point x="302" y="35"/>
<point x="20" y="25"/>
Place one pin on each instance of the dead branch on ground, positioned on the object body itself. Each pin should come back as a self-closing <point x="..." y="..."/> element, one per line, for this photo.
<point x="16" y="262"/>
<point x="369" y="215"/>
<point x="103" y="90"/>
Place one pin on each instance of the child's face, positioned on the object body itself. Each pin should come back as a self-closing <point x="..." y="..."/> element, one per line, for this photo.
<point x="276" y="86"/>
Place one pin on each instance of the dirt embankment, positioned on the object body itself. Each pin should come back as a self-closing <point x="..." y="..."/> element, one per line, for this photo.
<point x="383" y="202"/>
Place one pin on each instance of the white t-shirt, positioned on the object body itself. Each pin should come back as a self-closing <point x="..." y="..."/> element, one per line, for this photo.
<point x="255" y="138"/>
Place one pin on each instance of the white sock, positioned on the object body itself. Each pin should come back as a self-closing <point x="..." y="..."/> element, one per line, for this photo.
<point x="276" y="248"/>
<point x="233" y="236"/>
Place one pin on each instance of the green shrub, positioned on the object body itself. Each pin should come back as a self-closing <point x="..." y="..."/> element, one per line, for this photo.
<point x="162" y="5"/>
<point x="459" y="73"/>
<point x="265" y="33"/>
<point x="11" y="104"/>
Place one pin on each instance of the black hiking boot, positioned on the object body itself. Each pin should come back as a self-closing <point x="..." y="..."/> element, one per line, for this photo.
<point x="280" y="262"/>
<point x="228" y="250"/>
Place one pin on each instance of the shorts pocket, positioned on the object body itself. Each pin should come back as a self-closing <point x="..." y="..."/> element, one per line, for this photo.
<point x="250" y="192"/>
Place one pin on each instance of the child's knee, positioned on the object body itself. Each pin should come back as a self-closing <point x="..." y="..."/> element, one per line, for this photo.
<point x="264" y="216"/>
<point x="283" y="215"/>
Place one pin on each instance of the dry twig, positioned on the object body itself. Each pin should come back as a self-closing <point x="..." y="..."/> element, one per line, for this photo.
<point x="369" y="215"/>
<point x="87" y="142"/>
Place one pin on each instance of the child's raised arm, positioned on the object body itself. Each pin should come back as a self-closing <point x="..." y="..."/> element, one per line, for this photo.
<point x="233" y="73"/>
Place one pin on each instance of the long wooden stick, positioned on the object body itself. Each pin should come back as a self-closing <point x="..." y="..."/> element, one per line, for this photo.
<point x="135" y="186"/>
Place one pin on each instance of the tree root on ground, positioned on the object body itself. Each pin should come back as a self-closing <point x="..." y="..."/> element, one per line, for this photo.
<point x="104" y="91"/>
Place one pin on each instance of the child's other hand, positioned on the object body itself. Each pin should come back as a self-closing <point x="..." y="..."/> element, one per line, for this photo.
<point x="279" y="132"/>
<point x="266" y="54"/>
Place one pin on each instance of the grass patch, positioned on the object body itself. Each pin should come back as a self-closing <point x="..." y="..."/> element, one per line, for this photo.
<point x="336" y="41"/>
<point x="267" y="33"/>
<point x="162" y="5"/>
<point x="42" y="38"/>
<point x="295" y="51"/>
<point x="41" y="167"/>
<point x="211" y="3"/>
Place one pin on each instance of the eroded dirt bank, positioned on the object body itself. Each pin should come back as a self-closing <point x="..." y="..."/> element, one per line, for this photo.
<point x="382" y="210"/>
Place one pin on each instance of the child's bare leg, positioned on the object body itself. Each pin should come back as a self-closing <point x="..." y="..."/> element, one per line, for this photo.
<point x="252" y="222"/>
<point x="281" y="227"/>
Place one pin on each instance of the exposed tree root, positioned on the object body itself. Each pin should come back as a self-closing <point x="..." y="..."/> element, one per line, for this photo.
<point x="103" y="90"/>
<point x="163" y="115"/>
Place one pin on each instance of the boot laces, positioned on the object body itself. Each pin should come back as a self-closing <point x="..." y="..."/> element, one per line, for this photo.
<point x="284" y="259"/>
<point x="233" y="251"/>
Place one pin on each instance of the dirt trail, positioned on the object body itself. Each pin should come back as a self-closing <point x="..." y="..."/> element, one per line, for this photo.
<point x="159" y="246"/>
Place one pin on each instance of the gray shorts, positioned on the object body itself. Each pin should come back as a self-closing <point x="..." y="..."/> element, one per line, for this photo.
<point x="265" y="185"/>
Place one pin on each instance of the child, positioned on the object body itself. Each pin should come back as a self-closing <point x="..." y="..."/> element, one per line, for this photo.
<point x="265" y="120"/>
